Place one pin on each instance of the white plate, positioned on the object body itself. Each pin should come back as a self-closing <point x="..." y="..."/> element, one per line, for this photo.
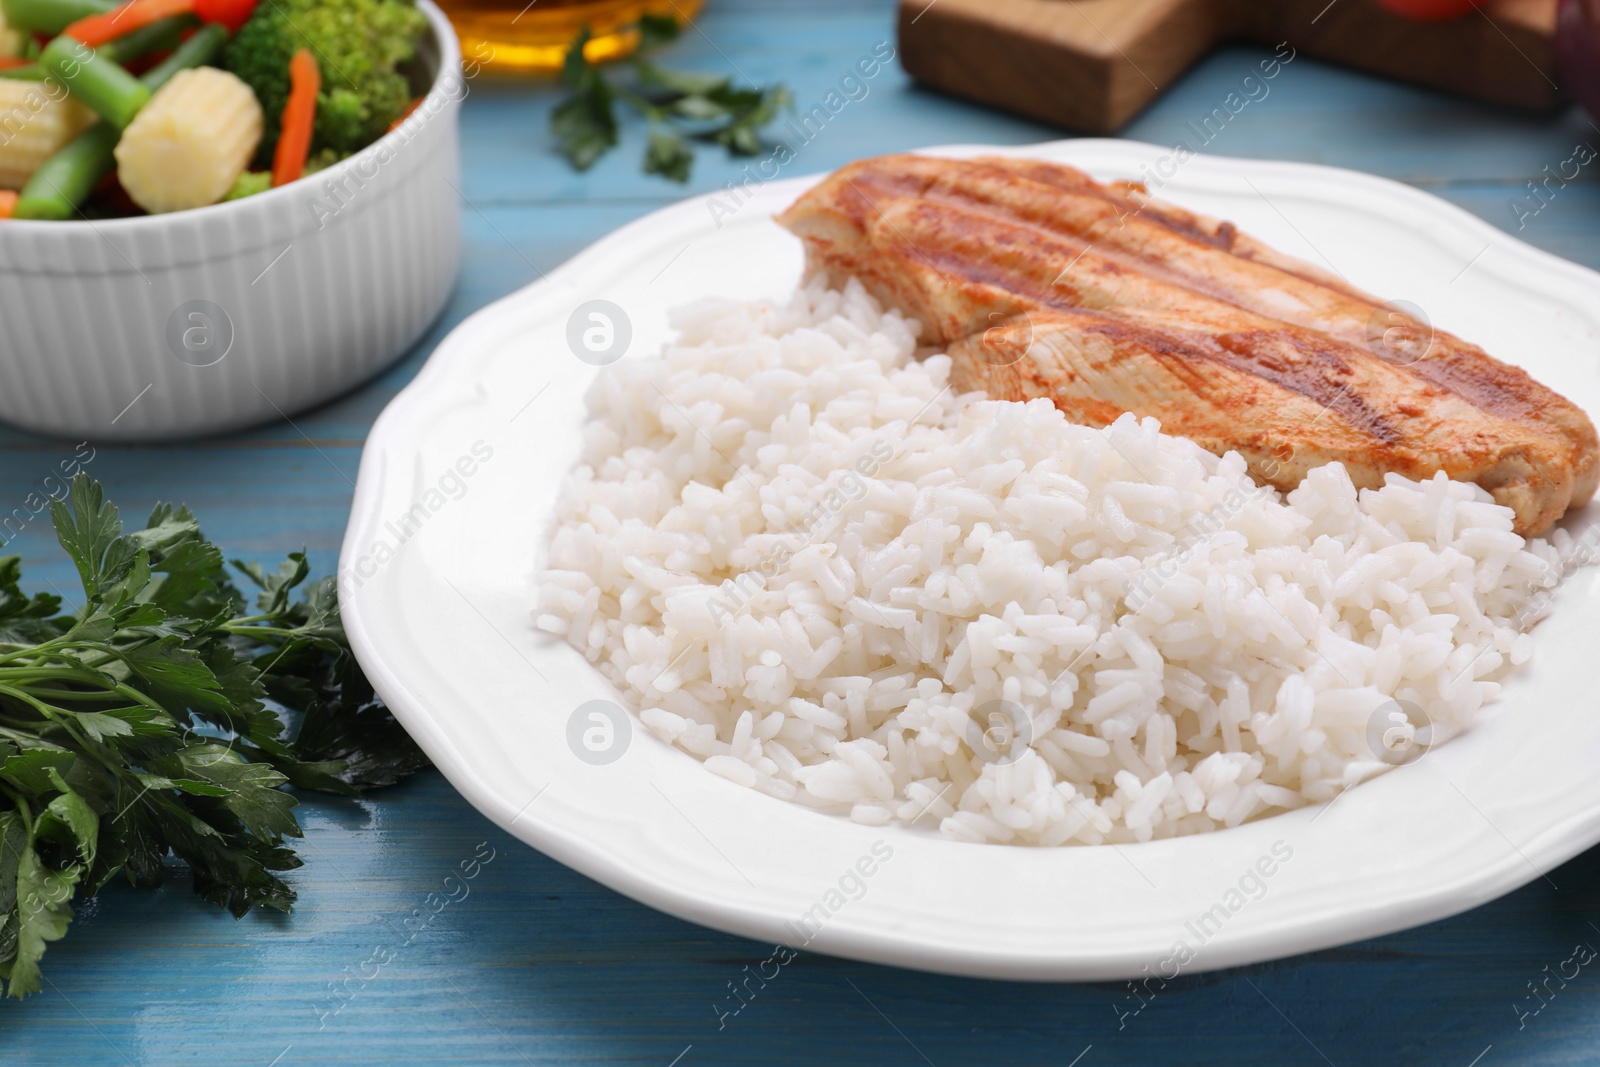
<point x="440" y="622"/>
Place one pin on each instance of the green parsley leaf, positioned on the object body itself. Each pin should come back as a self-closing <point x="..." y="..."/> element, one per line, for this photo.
<point x="13" y="839"/>
<point x="277" y="588"/>
<point x="87" y="531"/>
<point x="30" y="771"/>
<point x="134" y="721"/>
<point x="703" y="106"/>
<point x="585" y="123"/>
<point x="252" y="794"/>
<point x="23" y="619"/>
<point x="749" y="111"/>
<point x="42" y="912"/>
<point x="668" y="155"/>
<point x="68" y="818"/>
<point x="657" y="30"/>
<point x="146" y="725"/>
<point x="682" y="82"/>
<point x="190" y="579"/>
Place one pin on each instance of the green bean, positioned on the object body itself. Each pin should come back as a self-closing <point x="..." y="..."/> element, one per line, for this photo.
<point x="65" y="180"/>
<point x="204" y="48"/>
<point x="95" y="79"/>
<point x="50" y="16"/>
<point x="160" y="36"/>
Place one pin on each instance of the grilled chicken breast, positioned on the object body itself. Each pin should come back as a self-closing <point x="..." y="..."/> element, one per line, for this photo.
<point x="1041" y="282"/>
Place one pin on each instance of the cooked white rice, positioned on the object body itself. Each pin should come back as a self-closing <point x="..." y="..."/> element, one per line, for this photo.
<point x="812" y="566"/>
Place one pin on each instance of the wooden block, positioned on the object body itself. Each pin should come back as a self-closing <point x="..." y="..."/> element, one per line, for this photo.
<point x="1091" y="65"/>
<point x="1505" y="55"/>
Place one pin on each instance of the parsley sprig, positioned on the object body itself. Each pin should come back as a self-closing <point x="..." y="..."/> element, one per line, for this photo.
<point x="145" y="725"/>
<point x="681" y="106"/>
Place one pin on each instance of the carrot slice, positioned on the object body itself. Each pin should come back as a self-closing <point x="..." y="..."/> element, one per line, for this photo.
<point x="407" y="113"/>
<point x="96" y="30"/>
<point x="9" y="62"/>
<point x="299" y="117"/>
<point x="8" y="202"/>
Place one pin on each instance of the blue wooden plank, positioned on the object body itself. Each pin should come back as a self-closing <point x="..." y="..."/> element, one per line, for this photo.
<point x="533" y="964"/>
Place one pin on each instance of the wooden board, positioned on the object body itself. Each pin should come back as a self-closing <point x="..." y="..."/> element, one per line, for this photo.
<point x="1091" y="65"/>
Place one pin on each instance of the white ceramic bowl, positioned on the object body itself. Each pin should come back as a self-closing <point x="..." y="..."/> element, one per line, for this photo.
<point x="210" y="320"/>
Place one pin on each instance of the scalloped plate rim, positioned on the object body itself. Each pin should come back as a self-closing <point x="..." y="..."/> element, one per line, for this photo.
<point x="850" y="934"/>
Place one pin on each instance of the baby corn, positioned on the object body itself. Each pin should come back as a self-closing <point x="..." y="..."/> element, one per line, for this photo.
<point x="37" y="119"/>
<point x="191" y="142"/>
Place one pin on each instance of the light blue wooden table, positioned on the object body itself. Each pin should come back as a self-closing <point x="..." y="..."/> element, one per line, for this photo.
<point x="538" y="965"/>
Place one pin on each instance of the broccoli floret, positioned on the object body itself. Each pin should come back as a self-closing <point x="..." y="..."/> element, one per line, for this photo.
<point x="322" y="159"/>
<point x="358" y="45"/>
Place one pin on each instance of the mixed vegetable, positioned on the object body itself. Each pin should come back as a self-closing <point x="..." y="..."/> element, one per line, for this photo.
<point x="154" y="106"/>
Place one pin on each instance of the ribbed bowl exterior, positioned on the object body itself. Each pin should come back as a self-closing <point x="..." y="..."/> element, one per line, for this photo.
<point x="205" y="321"/>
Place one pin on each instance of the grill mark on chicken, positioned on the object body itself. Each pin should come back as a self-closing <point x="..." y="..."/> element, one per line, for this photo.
<point x="954" y="241"/>
<point x="964" y="244"/>
<point x="1313" y="378"/>
<point x="977" y="189"/>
